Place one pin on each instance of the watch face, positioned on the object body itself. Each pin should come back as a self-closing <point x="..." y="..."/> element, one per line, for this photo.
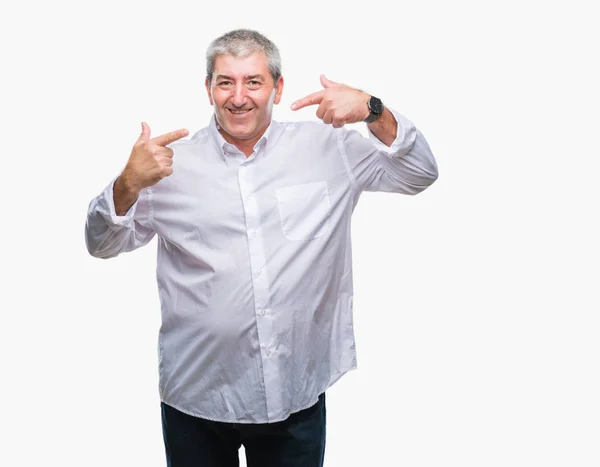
<point x="376" y="105"/>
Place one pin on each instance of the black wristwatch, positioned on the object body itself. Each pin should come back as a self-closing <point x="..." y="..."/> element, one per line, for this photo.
<point x="375" y="109"/>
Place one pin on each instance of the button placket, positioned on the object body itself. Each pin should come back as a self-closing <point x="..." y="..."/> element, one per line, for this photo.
<point x="260" y="285"/>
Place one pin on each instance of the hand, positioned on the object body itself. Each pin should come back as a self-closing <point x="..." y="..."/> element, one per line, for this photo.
<point x="338" y="104"/>
<point x="150" y="160"/>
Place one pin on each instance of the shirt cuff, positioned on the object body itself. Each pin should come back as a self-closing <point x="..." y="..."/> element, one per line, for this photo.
<point x="108" y="210"/>
<point x="404" y="135"/>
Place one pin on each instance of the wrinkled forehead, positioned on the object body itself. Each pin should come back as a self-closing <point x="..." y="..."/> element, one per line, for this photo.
<point x="254" y="64"/>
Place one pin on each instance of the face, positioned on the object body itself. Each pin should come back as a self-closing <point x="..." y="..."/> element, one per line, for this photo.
<point x="242" y="93"/>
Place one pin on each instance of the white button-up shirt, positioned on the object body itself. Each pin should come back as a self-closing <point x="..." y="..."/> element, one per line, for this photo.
<point x="254" y="263"/>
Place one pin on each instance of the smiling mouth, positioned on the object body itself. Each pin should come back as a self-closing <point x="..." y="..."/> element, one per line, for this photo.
<point x="239" y="112"/>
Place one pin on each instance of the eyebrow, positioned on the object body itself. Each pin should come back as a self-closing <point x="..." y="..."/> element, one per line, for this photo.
<point x="246" y="77"/>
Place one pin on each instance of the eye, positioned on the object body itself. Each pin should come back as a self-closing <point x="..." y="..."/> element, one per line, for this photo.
<point x="224" y="84"/>
<point x="254" y="84"/>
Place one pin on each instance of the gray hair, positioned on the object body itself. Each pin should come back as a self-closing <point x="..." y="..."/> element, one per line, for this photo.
<point x="241" y="43"/>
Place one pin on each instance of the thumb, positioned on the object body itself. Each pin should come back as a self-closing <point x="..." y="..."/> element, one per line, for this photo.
<point x="145" y="135"/>
<point x="327" y="83"/>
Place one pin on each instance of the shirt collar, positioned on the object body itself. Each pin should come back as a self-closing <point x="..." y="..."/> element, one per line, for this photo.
<point x="270" y="134"/>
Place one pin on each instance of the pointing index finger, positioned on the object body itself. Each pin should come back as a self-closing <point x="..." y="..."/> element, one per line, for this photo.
<point x="170" y="137"/>
<point x="312" y="99"/>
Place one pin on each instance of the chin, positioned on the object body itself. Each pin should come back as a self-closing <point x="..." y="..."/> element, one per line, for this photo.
<point x="238" y="131"/>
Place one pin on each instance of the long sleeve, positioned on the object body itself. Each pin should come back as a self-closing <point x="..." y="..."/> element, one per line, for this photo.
<point x="107" y="235"/>
<point x="407" y="166"/>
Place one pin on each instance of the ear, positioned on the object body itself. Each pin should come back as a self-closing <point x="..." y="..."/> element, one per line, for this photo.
<point x="278" y="90"/>
<point x="208" y="90"/>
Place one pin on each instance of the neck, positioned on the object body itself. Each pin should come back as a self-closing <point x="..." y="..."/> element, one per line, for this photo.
<point x="244" y="145"/>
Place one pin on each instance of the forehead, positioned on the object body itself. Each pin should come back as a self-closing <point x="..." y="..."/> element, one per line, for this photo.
<point x="238" y="67"/>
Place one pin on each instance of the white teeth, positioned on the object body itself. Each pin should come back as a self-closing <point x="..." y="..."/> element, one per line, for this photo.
<point x="239" y="111"/>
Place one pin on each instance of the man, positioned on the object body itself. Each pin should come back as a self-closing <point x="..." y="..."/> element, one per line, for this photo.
<point x="254" y="260"/>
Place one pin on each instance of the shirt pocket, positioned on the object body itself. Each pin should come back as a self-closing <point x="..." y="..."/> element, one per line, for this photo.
<point x="304" y="210"/>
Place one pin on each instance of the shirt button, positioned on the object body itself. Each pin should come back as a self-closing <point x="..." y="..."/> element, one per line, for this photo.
<point x="257" y="273"/>
<point x="254" y="233"/>
<point x="263" y="312"/>
<point x="268" y="352"/>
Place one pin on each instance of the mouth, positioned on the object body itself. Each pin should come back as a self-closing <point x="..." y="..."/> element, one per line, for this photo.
<point x="239" y="111"/>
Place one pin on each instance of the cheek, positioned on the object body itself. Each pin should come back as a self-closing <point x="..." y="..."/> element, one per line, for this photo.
<point x="265" y="102"/>
<point x="219" y="97"/>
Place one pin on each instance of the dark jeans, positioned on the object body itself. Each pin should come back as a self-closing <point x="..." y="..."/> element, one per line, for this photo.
<point x="298" y="441"/>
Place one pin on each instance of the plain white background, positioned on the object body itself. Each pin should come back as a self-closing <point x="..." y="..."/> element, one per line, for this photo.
<point x="476" y="303"/>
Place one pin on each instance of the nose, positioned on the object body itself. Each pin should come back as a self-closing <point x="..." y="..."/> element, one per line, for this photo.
<point x="238" y="95"/>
